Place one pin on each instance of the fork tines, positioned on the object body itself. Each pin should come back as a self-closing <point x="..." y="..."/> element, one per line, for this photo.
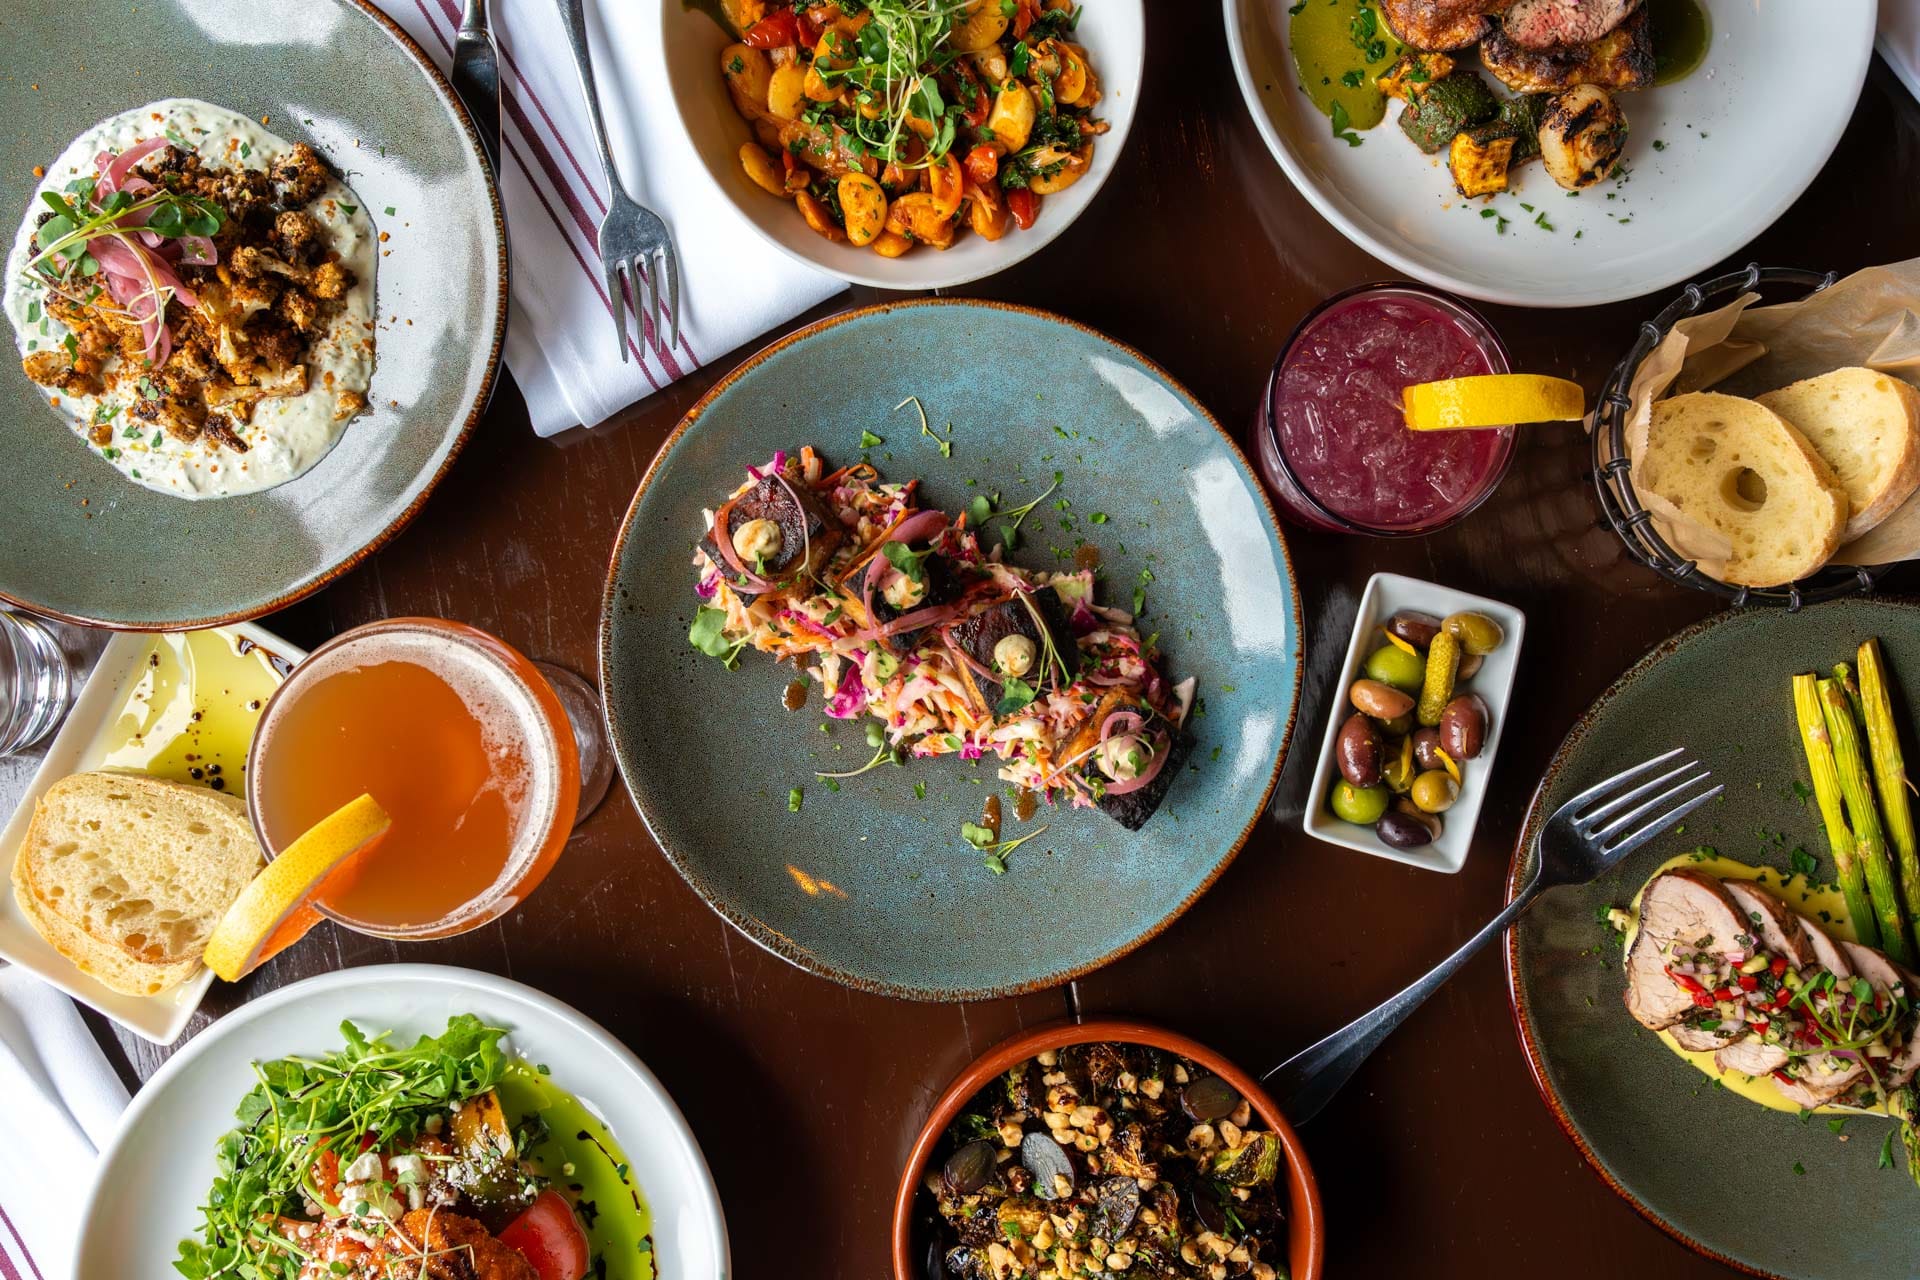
<point x="1615" y="822"/>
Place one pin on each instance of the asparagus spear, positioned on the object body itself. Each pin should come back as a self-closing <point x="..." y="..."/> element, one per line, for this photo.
<point x="1869" y="839"/>
<point x="1890" y="774"/>
<point x="1826" y="793"/>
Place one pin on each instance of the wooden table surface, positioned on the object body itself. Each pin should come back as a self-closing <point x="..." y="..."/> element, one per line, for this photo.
<point x="1439" y="1159"/>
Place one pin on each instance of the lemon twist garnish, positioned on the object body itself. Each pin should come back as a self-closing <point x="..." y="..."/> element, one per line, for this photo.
<point x="1492" y="400"/>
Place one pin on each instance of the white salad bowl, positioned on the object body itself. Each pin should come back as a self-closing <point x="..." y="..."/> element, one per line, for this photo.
<point x="686" y="55"/>
<point x="1386" y="595"/>
<point x="156" y="1173"/>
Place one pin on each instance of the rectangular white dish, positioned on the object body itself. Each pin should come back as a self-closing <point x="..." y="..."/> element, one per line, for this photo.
<point x="1386" y="595"/>
<point x="86" y="741"/>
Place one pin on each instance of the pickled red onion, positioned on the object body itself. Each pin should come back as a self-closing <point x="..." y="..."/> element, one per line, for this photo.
<point x="1146" y="775"/>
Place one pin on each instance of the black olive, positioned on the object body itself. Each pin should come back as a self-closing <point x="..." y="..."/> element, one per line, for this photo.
<point x="968" y="1169"/>
<point x="1207" y="1208"/>
<point x="1403" y="831"/>
<point x="957" y="1264"/>
<point x="1115" y="1203"/>
<point x="1208" y="1099"/>
<point x="1046" y="1159"/>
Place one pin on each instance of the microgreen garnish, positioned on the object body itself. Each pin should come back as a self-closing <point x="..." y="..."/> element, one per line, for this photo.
<point x="708" y="635"/>
<point x="996" y="849"/>
<point x="882" y="754"/>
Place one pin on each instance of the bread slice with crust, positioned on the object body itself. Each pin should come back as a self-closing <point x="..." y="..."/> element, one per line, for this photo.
<point x="106" y="964"/>
<point x="1739" y="468"/>
<point x="137" y="863"/>
<point x="1866" y="425"/>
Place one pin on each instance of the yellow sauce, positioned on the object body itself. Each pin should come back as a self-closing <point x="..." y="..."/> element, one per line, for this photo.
<point x="189" y="710"/>
<point x="1326" y="37"/>
<point x="1803" y="896"/>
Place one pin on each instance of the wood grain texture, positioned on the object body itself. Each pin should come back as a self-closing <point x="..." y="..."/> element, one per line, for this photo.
<point x="1439" y="1159"/>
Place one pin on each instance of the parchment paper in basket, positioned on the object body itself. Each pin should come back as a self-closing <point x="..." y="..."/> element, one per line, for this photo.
<point x="1870" y="318"/>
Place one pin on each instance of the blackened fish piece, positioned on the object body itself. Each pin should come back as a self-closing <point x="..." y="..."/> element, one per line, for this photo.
<point x="978" y="635"/>
<point x="1132" y="809"/>
<point x="802" y="525"/>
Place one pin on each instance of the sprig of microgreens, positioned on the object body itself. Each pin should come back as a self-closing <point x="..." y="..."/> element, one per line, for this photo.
<point x="72" y="226"/>
<point x="981" y="509"/>
<point x="882" y="754"/>
<point x="708" y="635"/>
<point x="895" y="58"/>
<point x="996" y="849"/>
<point x="303" y="1106"/>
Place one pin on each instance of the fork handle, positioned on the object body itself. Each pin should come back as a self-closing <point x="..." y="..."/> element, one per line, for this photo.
<point x="1305" y="1082"/>
<point x="574" y="17"/>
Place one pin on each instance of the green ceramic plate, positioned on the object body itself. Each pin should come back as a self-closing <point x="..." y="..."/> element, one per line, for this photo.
<point x="1717" y="1172"/>
<point x="710" y="755"/>
<point x="79" y="541"/>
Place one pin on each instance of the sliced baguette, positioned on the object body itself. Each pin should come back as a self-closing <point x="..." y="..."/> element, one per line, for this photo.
<point x="106" y="964"/>
<point x="1866" y="426"/>
<point x="138" y="863"/>
<point x="1737" y="467"/>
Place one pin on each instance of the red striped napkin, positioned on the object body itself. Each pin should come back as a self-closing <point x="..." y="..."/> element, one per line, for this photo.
<point x="560" y="341"/>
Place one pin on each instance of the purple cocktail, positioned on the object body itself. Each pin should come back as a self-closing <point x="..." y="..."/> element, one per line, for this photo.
<point x="1332" y="436"/>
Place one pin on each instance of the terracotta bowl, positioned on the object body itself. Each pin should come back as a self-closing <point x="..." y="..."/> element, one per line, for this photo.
<point x="1307" y="1240"/>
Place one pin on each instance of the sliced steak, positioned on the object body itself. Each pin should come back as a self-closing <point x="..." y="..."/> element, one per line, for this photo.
<point x="1684" y="911"/>
<point x="1751" y="1057"/>
<point x="1770" y="921"/>
<point x="807" y="534"/>
<point x="979" y="635"/>
<point x="1543" y="24"/>
<point x="1621" y="59"/>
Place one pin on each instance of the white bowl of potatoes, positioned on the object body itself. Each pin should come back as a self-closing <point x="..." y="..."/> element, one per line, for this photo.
<point x="736" y="100"/>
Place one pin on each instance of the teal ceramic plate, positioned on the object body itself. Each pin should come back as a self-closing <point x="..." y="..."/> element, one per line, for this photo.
<point x="1717" y="1172"/>
<point x="873" y="886"/>
<point x="78" y="540"/>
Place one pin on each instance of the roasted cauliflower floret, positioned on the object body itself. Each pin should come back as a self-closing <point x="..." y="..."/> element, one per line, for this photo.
<point x="54" y="369"/>
<point x="296" y="232"/>
<point x="301" y="175"/>
<point x="330" y="281"/>
<point x="181" y="417"/>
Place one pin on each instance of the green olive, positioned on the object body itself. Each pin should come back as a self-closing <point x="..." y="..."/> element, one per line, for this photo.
<point x="1392" y="665"/>
<point x="1435" y="791"/>
<point x="1397" y="727"/>
<point x="1398" y="772"/>
<point x="1361" y="806"/>
<point x="1477" y="633"/>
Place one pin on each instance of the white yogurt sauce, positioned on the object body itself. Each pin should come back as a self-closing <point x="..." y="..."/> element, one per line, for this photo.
<point x="288" y="434"/>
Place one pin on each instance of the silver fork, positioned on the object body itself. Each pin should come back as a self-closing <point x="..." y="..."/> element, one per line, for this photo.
<point x="1583" y="838"/>
<point x="633" y="241"/>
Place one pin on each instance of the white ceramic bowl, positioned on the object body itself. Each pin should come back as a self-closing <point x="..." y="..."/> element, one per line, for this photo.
<point x="1386" y="595"/>
<point x="155" y="1174"/>
<point x="78" y="747"/>
<point x="1734" y="149"/>
<point x="688" y="57"/>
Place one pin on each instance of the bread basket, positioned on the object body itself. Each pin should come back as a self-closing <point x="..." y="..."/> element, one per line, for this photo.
<point x="1621" y="505"/>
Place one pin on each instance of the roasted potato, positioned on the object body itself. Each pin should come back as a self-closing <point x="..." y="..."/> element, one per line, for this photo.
<point x="863" y="207"/>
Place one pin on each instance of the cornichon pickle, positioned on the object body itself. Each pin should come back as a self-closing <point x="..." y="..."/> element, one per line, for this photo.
<point x="1443" y="663"/>
<point x="1477" y="633"/>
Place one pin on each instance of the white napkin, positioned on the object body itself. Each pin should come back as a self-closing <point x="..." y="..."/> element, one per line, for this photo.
<point x="560" y="346"/>
<point x="1899" y="41"/>
<point x="59" y="1103"/>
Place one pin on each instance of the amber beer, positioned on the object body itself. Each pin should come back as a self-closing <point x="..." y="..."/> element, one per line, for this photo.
<point x="457" y="736"/>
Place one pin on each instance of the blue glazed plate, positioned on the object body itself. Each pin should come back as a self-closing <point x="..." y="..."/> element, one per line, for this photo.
<point x="80" y="541"/>
<point x="873" y="886"/>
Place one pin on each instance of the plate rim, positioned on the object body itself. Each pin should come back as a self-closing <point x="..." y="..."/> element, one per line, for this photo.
<point x="772" y="939"/>
<point x="149" y="1093"/>
<point x="1510" y="952"/>
<point x="482" y="399"/>
<point x="1235" y="12"/>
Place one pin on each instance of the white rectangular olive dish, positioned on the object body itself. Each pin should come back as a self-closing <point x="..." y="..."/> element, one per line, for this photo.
<point x="138" y="700"/>
<point x="1388" y="594"/>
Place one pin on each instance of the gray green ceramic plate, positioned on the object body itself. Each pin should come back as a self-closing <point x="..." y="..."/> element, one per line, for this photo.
<point x="873" y="885"/>
<point x="78" y="540"/>
<point x="1719" y="1173"/>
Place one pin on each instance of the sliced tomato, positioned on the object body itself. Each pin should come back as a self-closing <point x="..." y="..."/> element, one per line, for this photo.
<point x="549" y="1236"/>
<point x="775" y="31"/>
<point x="983" y="162"/>
<point x="1024" y="206"/>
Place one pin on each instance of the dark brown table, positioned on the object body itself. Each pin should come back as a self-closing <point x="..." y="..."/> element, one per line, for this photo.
<point x="1439" y="1159"/>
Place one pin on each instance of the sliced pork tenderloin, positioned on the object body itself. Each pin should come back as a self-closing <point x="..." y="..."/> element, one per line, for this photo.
<point x="1826" y="952"/>
<point x="1696" y="1039"/>
<point x="1751" y="1057"/>
<point x="1823" y="1078"/>
<point x="1771" y="921"/>
<point x="1685" y="911"/>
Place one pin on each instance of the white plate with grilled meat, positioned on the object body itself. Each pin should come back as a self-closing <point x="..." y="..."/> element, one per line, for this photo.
<point x="1710" y="160"/>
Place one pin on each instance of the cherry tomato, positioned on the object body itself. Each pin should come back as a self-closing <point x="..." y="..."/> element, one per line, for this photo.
<point x="1023" y="18"/>
<point x="971" y="91"/>
<point x="549" y="1236"/>
<point x="983" y="162"/>
<point x="1024" y="206"/>
<point x="775" y="31"/>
